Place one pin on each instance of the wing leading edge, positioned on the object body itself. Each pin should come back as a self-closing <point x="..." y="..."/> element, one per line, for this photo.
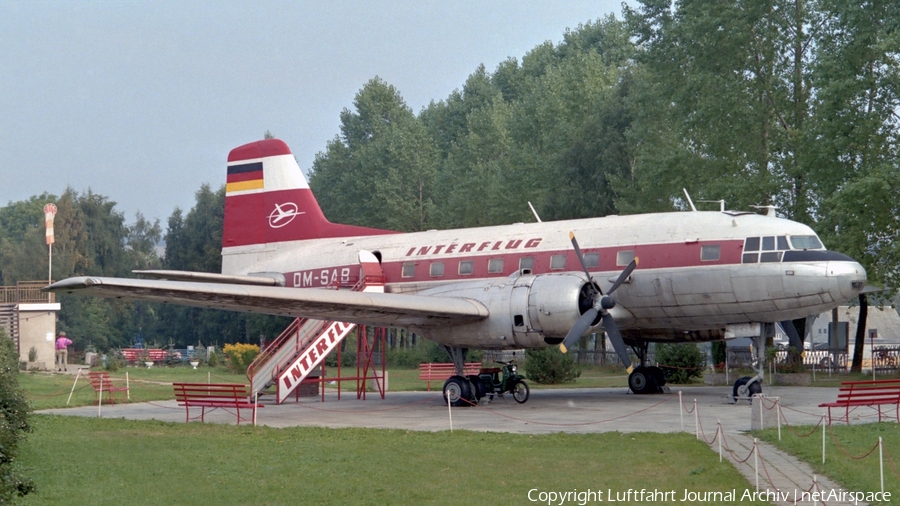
<point x="387" y="309"/>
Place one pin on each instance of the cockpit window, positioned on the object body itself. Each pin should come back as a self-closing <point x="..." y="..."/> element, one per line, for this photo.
<point x="768" y="243"/>
<point x="806" y="242"/>
<point x="782" y="242"/>
<point x="752" y="244"/>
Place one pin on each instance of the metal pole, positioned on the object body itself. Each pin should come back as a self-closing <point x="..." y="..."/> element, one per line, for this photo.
<point x="681" y="409"/>
<point x="450" y="412"/>
<point x="696" y="420"/>
<point x="756" y="463"/>
<point x="721" y="435"/>
<point x="73" y="386"/>
<point x="127" y="387"/>
<point x="49" y="268"/>
<point x="823" y="439"/>
<point x="100" y="399"/>
<point x="778" y="415"/>
<point x="881" y="462"/>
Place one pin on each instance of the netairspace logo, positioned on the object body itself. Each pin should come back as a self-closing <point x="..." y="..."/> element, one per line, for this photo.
<point x="583" y="497"/>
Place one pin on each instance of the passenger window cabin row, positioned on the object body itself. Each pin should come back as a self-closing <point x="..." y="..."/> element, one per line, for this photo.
<point x="437" y="269"/>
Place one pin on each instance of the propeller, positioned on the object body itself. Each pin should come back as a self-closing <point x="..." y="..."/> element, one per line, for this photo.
<point x="602" y="303"/>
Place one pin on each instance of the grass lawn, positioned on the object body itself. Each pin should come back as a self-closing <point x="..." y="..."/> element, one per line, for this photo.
<point x="83" y="460"/>
<point x="48" y="390"/>
<point x="860" y="475"/>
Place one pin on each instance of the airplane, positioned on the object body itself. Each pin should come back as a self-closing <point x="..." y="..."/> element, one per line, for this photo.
<point x="689" y="276"/>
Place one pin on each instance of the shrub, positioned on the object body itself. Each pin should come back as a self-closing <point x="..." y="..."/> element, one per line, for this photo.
<point x="681" y="362"/>
<point x="719" y="353"/>
<point x="14" y="424"/>
<point x="240" y="356"/>
<point x="549" y="366"/>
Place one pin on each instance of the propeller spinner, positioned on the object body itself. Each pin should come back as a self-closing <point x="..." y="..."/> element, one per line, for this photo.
<point x="601" y="306"/>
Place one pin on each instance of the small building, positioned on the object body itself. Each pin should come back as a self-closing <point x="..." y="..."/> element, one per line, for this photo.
<point x="29" y="318"/>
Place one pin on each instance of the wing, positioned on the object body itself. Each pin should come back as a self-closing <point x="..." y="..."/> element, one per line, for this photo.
<point x="386" y="309"/>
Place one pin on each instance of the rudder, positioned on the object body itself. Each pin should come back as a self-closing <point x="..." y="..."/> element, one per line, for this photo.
<point x="268" y="200"/>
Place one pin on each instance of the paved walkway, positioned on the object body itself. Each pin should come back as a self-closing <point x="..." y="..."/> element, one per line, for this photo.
<point x="551" y="411"/>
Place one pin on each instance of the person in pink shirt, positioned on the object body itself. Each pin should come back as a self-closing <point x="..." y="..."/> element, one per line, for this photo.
<point x="62" y="351"/>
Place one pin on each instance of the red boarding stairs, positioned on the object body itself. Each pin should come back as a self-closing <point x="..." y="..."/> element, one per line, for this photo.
<point x="291" y="357"/>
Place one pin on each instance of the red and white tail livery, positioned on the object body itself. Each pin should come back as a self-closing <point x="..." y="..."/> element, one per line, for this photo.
<point x="267" y="200"/>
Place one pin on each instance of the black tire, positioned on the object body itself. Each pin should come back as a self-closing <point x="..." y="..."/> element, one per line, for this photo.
<point x="521" y="392"/>
<point x="478" y="387"/>
<point x="658" y="375"/>
<point x="754" y="389"/>
<point x="459" y="391"/>
<point x="640" y="381"/>
<point x="743" y="381"/>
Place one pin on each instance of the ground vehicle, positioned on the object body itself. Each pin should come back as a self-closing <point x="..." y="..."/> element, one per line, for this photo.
<point x="489" y="382"/>
<point x="496" y="381"/>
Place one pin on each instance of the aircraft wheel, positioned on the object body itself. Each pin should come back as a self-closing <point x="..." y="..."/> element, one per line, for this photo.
<point x="521" y="392"/>
<point x="658" y="375"/>
<point x="741" y="389"/>
<point x="458" y="391"/>
<point x="640" y="381"/>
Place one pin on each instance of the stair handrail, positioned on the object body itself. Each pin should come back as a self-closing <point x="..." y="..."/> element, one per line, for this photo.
<point x="295" y="325"/>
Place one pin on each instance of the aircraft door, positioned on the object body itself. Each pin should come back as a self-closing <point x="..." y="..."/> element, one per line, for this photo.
<point x="522" y="330"/>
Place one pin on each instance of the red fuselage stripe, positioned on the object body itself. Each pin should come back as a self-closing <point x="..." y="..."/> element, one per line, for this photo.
<point x="652" y="256"/>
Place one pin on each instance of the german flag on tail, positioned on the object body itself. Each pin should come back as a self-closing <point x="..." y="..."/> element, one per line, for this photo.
<point x="248" y="176"/>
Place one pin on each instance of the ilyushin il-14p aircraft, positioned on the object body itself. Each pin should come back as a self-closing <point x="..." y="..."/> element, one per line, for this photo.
<point x="688" y="276"/>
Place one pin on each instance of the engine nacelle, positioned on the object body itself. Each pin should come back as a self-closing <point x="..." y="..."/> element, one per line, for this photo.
<point x="526" y="311"/>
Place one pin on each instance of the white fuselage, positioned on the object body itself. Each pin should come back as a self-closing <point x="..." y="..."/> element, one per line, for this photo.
<point x="692" y="281"/>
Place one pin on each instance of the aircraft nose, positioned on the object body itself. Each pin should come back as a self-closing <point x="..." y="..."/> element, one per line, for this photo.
<point x="849" y="276"/>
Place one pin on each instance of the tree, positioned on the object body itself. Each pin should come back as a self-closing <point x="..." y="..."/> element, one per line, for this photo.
<point x="14" y="423"/>
<point x="380" y="171"/>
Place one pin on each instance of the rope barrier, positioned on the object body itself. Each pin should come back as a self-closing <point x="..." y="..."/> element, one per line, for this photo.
<point x="836" y="442"/>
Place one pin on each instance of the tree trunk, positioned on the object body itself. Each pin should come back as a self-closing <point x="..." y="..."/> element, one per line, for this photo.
<point x="860" y="334"/>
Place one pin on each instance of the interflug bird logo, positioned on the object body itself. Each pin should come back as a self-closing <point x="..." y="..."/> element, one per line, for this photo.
<point x="283" y="214"/>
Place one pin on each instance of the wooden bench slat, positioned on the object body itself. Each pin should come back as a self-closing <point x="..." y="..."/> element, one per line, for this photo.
<point x="866" y="393"/>
<point x="215" y="396"/>
<point x="441" y="371"/>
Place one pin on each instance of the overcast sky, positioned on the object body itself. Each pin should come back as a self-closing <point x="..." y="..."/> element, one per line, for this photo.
<point x="141" y="101"/>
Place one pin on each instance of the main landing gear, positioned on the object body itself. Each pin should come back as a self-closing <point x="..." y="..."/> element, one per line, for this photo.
<point x="748" y="386"/>
<point x="645" y="379"/>
<point x="458" y="390"/>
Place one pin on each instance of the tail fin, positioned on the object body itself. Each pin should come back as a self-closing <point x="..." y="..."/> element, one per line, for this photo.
<point x="267" y="200"/>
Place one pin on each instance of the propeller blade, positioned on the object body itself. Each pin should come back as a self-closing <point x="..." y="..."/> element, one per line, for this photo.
<point x="579" y="255"/>
<point x="624" y="275"/>
<point x="616" y="339"/>
<point x="578" y="330"/>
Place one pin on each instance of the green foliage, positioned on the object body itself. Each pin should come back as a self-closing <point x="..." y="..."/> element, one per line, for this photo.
<point x="719" y="352"/>
<point x="550" y="366"/>
<point x="681" y="361"/>
<point x="14" y="423"/>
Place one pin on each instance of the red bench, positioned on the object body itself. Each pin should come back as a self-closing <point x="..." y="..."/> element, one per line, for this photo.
<point x="101" y="382"/>
<point x="214" y="395"/>
<point x="440" y="372"/>
<point x="133" y="355"/>
<point x="866" y="393"/>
